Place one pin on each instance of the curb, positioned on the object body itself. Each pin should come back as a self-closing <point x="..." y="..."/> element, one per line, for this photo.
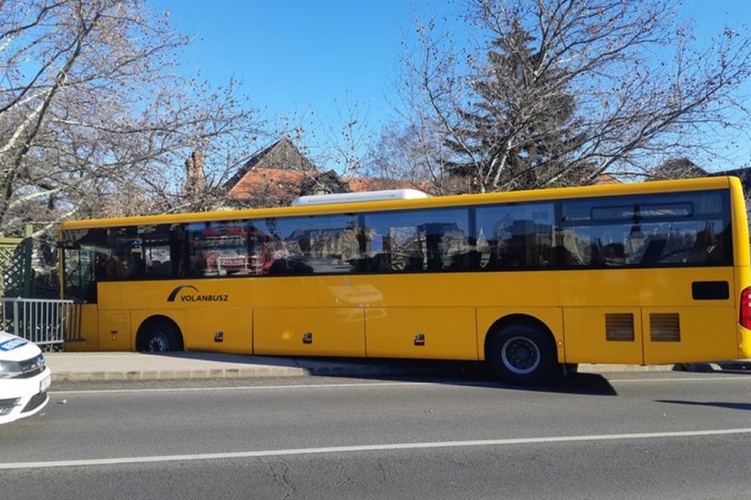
<point x="365" y="370"/>
<point x="235" y="373"/>
<point x="179" y="374"/>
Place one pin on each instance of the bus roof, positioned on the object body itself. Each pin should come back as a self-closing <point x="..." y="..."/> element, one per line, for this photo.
<point x="397" y="202"/>
<point x="384" y="195"/>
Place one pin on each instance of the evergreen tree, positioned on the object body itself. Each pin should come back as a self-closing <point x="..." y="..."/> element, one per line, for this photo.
<point x="520" y="128"/>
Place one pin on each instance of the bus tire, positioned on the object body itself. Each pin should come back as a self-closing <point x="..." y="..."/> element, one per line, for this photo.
<point x="160" y="336"/>
<point x="521" y="354"/>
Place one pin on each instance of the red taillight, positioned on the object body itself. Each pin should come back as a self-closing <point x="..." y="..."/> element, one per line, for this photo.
<point x="745" y="318"/>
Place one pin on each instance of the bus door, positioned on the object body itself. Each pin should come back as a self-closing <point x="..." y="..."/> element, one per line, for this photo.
<point x="114" y="330"/>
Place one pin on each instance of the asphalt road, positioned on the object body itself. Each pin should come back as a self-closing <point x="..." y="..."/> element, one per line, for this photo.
<point x="628" y="436"/>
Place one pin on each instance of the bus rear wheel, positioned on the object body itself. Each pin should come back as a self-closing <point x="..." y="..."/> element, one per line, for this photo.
<point x="160" y="336"/>
<point x="522" y="354"/>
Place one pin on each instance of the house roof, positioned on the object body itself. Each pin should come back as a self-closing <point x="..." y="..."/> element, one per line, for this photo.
<point x="288" y="184"/>
<point x="281" y="155"/>
<point x="678" y="168"/>
<point x="268" y="182"/>
<point x="606" y="179"/>
<point x="280" y="172"/>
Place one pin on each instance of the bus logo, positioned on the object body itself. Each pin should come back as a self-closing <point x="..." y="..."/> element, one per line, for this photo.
<point x="196" y="297"/>
<point x="174" y="293"/>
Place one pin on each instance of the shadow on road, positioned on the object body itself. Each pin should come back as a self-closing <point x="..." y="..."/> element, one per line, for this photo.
<point x="477" y="375"/>
<point x="734" y="367"/>
<point x="465" y="373"/>
<point x="716" y="404"/>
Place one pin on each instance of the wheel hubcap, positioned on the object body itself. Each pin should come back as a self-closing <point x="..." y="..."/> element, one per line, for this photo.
<point x="520" y="355"/>
<point x="158" y="343"/>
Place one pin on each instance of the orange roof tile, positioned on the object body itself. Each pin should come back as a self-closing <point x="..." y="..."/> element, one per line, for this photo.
<point x="268" y="181"/>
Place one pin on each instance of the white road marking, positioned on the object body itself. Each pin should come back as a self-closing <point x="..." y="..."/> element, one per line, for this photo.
<point x="368" y="448"/>
<point x="722" y="378"/>
<point x="242" y="388"/>
<point x="373" y="384"/>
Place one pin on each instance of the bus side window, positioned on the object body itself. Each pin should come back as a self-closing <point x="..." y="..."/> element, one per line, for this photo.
<point x="614" y="254"/>
<point x="568" y="251"/>
<point x="100" y="266"/>
<point x="137" y="266"/>
<point x="515" y="236"/>
<point x="708" y="245"/>
<point x="114" y="268"/>
<point x="653" y="252"/>
<point x="433" y="257"/>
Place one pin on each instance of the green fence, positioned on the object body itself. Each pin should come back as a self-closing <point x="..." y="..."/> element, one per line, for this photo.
<point x="29" y="302"/>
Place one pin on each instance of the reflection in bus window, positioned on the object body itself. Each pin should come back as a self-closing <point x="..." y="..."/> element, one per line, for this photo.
<point x="121" y="258"/>
<point x="162" y="251"/>
<point x="646" y="230"/>
<point x="222" y="248"/>
<point x="323" y="244"/>
<point x="516" y="236"/>
<point x="417" y="240"/>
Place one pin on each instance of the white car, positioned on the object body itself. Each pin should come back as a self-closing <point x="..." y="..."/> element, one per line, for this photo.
<point x="24" y="378"/>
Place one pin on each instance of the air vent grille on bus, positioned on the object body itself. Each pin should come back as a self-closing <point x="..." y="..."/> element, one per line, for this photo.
<point x="665" y="327"/>
<point x="619" y="327"/>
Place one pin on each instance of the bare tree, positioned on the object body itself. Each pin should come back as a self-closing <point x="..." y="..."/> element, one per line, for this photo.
<point x="552" y="92"/>
<point x="95" y="119"/>
<point x="349" y="141"/>
<point x="337" y="148"/>
<point x="403" y="153"/>
<point x="339" y="141"/>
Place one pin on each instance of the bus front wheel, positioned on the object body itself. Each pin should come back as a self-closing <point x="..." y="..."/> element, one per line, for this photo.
<point x="160" y="336"/>
<point x="521" y="353"/>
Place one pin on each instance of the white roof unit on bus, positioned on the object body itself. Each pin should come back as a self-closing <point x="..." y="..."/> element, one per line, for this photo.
<point x="388" y="194"/>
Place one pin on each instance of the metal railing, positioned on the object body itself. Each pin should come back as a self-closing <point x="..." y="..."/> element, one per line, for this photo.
<point x="48" y="323"/>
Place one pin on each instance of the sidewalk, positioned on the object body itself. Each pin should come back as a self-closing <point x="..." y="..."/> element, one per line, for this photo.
<point x="78" y="366"/>
<point x="90" y="366"/>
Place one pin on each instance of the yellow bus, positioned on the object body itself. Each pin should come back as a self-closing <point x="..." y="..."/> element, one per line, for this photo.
<point x="530" y="282"/>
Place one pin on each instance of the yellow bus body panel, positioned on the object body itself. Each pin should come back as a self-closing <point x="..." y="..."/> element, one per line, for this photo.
<point x="88" y="327"/>
<point x="744" y="343"/>
<point x="421" y="332"/>
<point x="741" y="259"/>
<point x="699" y="334"/>
<point x="587" y="338"/>
<point x="114" y="330"/>
<point x="380" y="316"/>
<point x="231" y="331"/>
<point x="309" y="331"/>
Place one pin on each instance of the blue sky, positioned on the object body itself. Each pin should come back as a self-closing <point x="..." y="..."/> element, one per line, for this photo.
<point x="301" y="59"/>
<point x="323" y="61"/>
